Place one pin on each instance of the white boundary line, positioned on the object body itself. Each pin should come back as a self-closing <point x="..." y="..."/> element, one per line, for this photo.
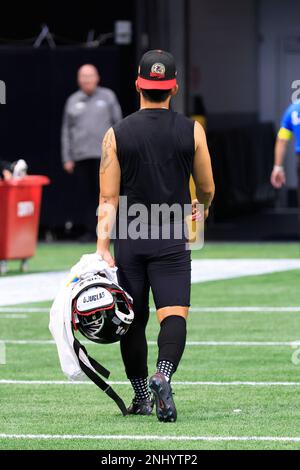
<point x="13" y="316"/>
<point x="25" y="309"/>
<point x="183" y="383"/>
<point x="149" y="438"/>
<point x="245" y="309"/>
<point x="42" y="342"/>
<point x="34" y="342"/>
<point x="192" y="309"/>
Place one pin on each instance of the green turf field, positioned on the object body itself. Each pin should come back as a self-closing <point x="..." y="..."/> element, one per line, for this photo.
<point x="244" y="381"/>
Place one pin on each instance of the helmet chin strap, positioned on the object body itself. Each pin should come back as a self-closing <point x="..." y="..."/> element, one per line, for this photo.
<point x="94" y="371"/>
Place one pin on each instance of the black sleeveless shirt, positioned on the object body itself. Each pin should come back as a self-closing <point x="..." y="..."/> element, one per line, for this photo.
<point x="155" y="148"/>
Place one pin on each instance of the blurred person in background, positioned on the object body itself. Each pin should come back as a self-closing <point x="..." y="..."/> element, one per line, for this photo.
<point x="88" y="114"/>
<point x="290" y="126"/>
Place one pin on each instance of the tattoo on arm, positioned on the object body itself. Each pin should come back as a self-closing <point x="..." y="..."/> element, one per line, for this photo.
<point x="107" y="151"/>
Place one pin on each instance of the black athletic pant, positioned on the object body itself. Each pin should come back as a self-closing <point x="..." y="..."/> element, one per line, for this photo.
<point x="87" y="192"/>
<point x="163" y="265"/>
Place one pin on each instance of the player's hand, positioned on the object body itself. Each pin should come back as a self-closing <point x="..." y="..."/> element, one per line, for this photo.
<point x="278" y="177"/>
<point x="69" y="167"/>
<point x="106" y="256"/>
<point x="196" y="212"/>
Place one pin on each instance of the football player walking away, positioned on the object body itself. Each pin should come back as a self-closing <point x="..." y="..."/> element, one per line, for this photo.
<point x="149" y="158"/>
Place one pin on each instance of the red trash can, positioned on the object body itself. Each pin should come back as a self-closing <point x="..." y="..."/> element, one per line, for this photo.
<point x="20" y="203"/>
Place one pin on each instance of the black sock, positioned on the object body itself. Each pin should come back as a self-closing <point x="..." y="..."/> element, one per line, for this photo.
<point x="141" y="390"/>
<point x="171" y="344"/>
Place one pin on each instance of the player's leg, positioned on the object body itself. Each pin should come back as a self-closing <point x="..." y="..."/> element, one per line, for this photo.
<point x="171" y="339"/>
<point x="170" y="278"/>
<point x="133" y="278"/>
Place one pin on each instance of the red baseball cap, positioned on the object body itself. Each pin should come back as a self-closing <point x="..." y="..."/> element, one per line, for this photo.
<point x="157" y="71"/>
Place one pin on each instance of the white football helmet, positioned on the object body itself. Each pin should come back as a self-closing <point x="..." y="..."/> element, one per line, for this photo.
<point x="101" y="310"/>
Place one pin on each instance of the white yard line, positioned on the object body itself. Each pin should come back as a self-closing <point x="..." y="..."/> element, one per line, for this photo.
<point x="205" y="270"/>
<point x="33" y="342"/>
<point x="30" y="288"/>
<point x="13" y="317"/>
<point x="244" y="309"/>
<point x="194" y="309"/>
<point x="44" y="286"/>
<point x="25" y="310"/>
<point x="145" y="437"/>
<point x="241" y="343"/>
<point x="41" y="342"/>
<point x="182" y="383"/>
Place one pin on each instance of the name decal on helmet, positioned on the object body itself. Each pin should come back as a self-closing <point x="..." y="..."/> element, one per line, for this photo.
<point x="93" y="298"/>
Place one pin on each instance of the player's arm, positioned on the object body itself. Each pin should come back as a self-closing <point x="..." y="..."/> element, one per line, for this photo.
<point x="68" y="162"/>
<point x="110" y="179"/>
<point x="284" y="136"/>
<point x="202" y="170"/>
<point x="278" y="173"/>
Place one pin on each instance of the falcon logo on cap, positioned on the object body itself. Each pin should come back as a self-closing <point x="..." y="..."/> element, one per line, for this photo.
<point x="158" y="70"/>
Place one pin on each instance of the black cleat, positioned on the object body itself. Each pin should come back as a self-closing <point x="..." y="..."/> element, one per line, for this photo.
<point x="144" y="407"/>
<point x="165" y="406"/>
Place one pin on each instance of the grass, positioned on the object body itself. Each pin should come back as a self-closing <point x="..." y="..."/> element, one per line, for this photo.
<point x="53" y="257"/>
<point x="60" y="256"/>
<point x="204" y="410"/>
